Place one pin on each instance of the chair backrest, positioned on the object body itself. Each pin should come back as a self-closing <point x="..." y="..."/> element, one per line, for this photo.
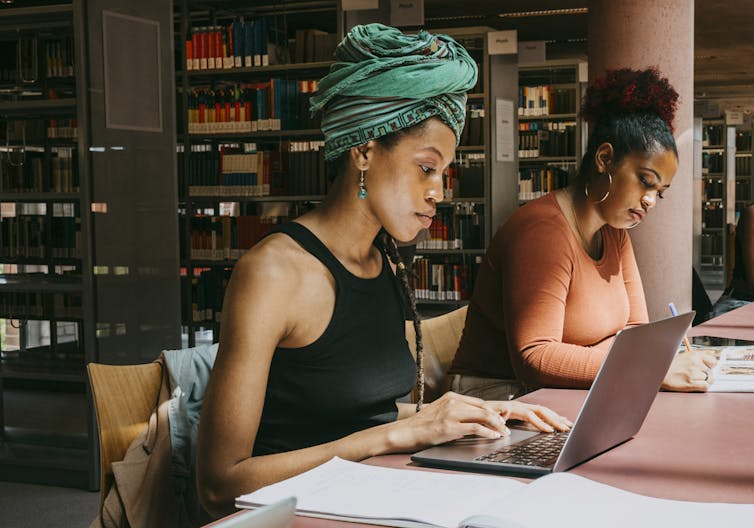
<point x="440" y="336"/>
<point x="124" y="398"/>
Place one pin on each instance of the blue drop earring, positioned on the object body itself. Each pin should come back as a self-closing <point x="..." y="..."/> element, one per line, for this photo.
<point x="362" y="188"/>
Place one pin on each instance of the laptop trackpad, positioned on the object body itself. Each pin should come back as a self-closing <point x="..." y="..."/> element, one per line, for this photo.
<point x="472" y="447"/>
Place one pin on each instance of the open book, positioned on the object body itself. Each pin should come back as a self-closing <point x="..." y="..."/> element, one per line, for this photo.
<point x="734" y="371"/>
<point x="410" y="498"/>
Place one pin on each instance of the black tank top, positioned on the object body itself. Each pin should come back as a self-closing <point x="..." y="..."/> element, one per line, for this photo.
<point x="350" y="377"/>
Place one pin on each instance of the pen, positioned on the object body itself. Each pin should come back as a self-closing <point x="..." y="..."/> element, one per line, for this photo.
<point x="674" y="312"/>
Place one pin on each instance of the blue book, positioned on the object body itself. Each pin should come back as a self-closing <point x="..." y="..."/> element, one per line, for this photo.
<point x="239" y="29"/>
<point x="249" y="43"/>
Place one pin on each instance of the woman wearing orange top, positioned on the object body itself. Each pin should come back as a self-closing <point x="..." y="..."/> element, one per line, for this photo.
<point x="560" y="278"/>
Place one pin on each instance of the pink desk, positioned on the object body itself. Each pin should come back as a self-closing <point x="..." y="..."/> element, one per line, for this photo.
<point x="697" y="447"/>
<point x="736" y="324"/>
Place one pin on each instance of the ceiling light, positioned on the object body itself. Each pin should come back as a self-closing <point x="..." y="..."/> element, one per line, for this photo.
<point x="546" y="12"/>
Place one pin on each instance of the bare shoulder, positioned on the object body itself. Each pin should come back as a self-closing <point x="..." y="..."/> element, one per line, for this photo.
<point x="277" y="262"/>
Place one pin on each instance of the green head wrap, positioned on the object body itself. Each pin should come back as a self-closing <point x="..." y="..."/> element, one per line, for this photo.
<point x="384" y="80"/>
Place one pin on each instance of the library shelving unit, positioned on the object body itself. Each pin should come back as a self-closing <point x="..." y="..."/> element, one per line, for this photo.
<point x="249" y="153"/>
<point x="744" y="167"/>
<point x="549" y="136"/>
<point x="718" y="196"/>
<point x="71" y="283"/>
<point x="446" y="261"/>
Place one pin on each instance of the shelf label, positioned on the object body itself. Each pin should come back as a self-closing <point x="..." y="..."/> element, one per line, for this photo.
<point x="532" y="52"/>
<point x="504" y="136"/>
<point x="406" y="13"/>
<point x="502" y="42"/>
<point x="734" y="117"/>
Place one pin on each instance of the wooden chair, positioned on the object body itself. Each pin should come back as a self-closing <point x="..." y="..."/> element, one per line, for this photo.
<point x="124" y="398"/>
<point x="441" y="336"/>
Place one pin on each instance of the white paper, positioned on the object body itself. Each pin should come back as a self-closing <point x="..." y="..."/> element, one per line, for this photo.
<point x="340" y="489"/>
<point x="404" y="497"/>
<point x="565" y="500"/>
<point x="504" y="136"/>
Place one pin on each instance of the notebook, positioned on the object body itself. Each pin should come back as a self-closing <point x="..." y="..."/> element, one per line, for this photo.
<point x="613" y="411"/>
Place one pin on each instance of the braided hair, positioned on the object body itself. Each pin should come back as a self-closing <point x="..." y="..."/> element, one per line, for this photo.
<point x="391" y="250"/>
<point x="633" y="110"/>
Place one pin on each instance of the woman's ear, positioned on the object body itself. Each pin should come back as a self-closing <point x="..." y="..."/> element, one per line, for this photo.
<point x="361" y="156"/>
<point x="603" y="158"/>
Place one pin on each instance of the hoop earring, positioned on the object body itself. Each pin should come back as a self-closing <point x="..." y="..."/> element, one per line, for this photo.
<point x="610" y="184"/>
<point x="362" y="194"/>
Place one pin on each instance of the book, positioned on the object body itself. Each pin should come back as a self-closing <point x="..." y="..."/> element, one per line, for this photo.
<point x="734" y="371"/>
<point x="409" y="498"/>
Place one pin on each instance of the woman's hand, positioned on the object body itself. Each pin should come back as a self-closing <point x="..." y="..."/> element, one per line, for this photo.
<point x="454" y="416"/>
<point x="690" y="372"/>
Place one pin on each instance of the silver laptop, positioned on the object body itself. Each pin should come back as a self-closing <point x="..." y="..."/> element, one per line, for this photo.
<point x="613" y="411"/>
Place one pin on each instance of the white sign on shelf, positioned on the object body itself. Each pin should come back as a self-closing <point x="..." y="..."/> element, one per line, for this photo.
<point x="532" y="52"/>
<point x="504" y="121"/>
<point x="406" y="13"/>
<point x="734" y="117"/>
<point x="502" y="42"/>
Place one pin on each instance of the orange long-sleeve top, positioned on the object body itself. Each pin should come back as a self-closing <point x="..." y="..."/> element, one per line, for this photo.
<point x="543" y="311"/>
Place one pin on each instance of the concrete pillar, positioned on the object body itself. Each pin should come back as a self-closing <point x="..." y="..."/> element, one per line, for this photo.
<point x="637" y="34"/>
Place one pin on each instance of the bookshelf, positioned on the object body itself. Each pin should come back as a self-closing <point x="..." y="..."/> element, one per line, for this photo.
<point x="447" y="259"/>
<point x="549" y="131"/>
<point x="718" y="197"/>
<point x="249" y="154"/>
<point x="85" y="274"/>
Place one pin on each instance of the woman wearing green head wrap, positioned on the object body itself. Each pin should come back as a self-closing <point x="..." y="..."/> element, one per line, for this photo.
<point x="313" y="353"/>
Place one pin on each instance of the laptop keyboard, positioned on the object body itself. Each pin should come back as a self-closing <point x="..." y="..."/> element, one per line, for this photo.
<point x="541" y="451"/>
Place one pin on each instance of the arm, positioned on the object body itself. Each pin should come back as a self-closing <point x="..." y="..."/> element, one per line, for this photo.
<point x="535" y="287"/>
<point x="234" y="399"/>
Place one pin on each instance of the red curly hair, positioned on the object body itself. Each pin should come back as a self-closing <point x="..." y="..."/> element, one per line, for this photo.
<point x="627" y="91"/>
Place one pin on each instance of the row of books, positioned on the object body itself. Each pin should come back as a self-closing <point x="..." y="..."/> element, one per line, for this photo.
<point x="712" y="244"/>
<point x="62" y="129"/>
<point x="713" y="215"/>
<point x="207" y="289"/>
<point x="466" y="176"/>
<point x="713" y="162"/>
<point x="444" y="279"/>
<point x="27" y="170"/>
<point x="743" y="141"/>
<point x="242" y="43"/>
<point x="550" y="138"/>
<point x="713" y="135"/>
<point x="277" y="104"/>
<point x="297" y="168"/>
<point x="59" y="55"/>
<point x="545" y="100"/>
<point x="459" y="228"/>
<point x="743" y="191"/>
<point x="536" y="182"/>
<point x="743" y="165"/>
<point x="40" y="237"/>
<point x="473" y="130"/>
<point x="254" y="42"/>
<point x="34" y="131"/>
<point x="226" y="237"/>
<point x="19" y="59"/>
<point x="18" y="305"/>
<point x="712" y="189"/>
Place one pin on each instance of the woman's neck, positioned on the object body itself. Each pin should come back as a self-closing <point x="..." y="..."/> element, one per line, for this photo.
<point x="345" y="225"/>
<point x="586" y="218"/>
